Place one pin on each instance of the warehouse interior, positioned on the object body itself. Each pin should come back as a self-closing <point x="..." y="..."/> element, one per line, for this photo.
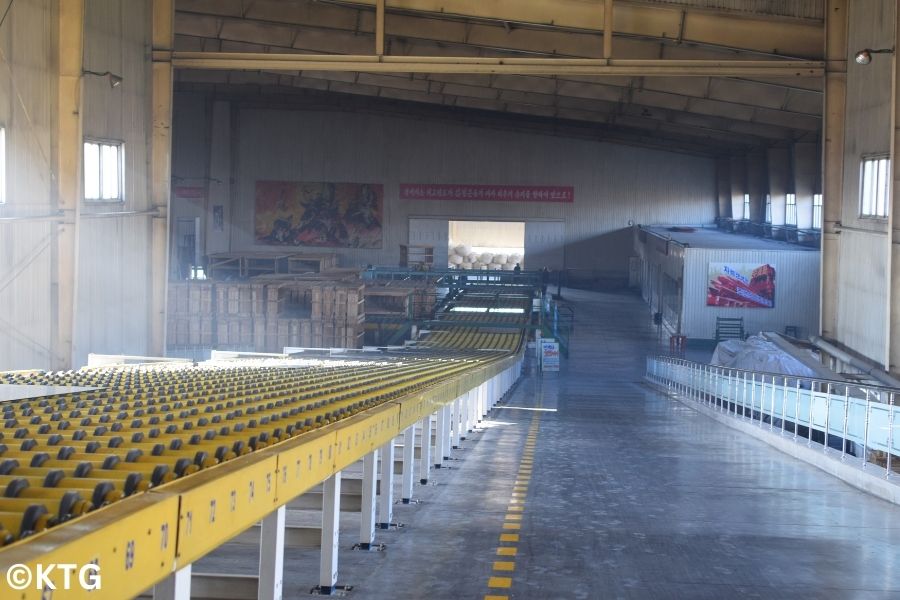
<point x="406" y="299"/>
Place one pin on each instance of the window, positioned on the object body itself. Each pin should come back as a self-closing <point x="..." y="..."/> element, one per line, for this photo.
<point x="2" y="165"/>
<point x="102" y="171"/>
<point x="746" y="207"/>
<point x="768" y="208"/>
<point x="874" y="186"/>
<point x="790" y="210"/>
<point x="817" y="211"/>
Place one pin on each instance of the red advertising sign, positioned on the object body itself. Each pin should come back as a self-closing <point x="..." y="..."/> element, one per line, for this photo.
<point x="495" y="193"/>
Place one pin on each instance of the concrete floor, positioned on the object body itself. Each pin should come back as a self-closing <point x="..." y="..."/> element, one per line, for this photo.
<point x="633" y="495"/>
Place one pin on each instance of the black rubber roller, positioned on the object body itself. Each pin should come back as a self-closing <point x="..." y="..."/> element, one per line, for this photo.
<point x="83" y="470"/>
<point x="159" y="474"/>
<point x="68" y="504"/>
<point x="31" y="519"/>
<point x="200" y="458"/>
<point x="101" y="491"/>
<point x="132" y="483"/>
<point x="181" y="464"/>
<point x="15" y="487"/>
<point x="53" y="478"/>
<point x="8" y="466"/>
<point x="38" y="459"/>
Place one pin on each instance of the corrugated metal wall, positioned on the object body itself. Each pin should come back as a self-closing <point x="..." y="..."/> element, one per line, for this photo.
<point x="27" y="93"/>
<point x="111" y="307"/>
<point x="796" y="292"/>
<point x="862" y="295"/>
<point x="614" y="184"/>
<point x="809" y="9"/>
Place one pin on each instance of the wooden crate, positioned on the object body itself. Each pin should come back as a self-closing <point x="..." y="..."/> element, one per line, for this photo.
<point x="259" y="334"/>
<point x="317" y="329"/>
<point x="234" y="332"/>
<point x="306" y="333"/>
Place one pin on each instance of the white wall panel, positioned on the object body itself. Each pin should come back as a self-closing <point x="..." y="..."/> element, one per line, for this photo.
<point x="796" y="292"/>
<point x="27" y="93"/>
<point x="862" y="311"/>
<point x="613" y="184"/>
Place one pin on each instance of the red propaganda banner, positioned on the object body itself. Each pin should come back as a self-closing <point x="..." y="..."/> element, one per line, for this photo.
<point x="741" y="285"/>
<point x="497" y="193"/>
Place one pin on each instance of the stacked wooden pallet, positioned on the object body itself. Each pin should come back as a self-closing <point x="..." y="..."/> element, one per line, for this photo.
<point x="267" y="314"/>
<point x="190" y="314"/>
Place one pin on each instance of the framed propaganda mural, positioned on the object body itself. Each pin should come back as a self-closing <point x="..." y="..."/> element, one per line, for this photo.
<point x="323" y="214"/>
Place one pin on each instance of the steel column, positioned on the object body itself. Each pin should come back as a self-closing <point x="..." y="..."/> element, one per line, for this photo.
<point x="68" y="183"/>
<point x="833" y="124"/>
<point x="271" y="555"/>
<point x="445" y="434"/>
<point x="409" y="464"/>
<point x="176" y="586"/>
<point x="386" y="490"/>
<point x="425" y="454"/>
<point x="162" y="76"/>
<point x="457" y="419"/>
<point x="367" y="510"/>
<point x="331" y="523"/>
<point x="439" y="439"/>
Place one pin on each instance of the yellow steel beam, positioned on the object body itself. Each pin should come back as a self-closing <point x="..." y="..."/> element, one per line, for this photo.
<point x="132" y="543"/>
<point x="379" y="27"/>
<point x="68" y="180"/>
<point x="250" y="61"/>
<point x="785" y="36"/>
<point x="608" y="27"/>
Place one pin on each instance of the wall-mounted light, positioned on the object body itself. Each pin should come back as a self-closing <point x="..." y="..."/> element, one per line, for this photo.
<point x="864" y="56"/>
<point x="114" y="80"/>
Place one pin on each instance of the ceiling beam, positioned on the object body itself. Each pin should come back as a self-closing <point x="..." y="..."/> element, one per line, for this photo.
<point x="802" y="38"/>
<point x="254" y="61"/>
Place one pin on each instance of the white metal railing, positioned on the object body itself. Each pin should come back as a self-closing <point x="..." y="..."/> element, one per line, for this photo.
<point x="857" y="420"/>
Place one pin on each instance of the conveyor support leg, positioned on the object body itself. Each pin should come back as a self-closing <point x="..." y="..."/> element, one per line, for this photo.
<point x="369" y="487"/>
<point x="409" y="463"/>
<point x="425" y="454"/>
<point x="176" y="586"/>
<point x="331" y="519"/>
<point x="271" y="555"/>
<point x="386" y="492"/>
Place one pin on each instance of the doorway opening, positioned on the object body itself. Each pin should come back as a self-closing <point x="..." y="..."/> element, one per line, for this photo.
<point x="486" y="245"/>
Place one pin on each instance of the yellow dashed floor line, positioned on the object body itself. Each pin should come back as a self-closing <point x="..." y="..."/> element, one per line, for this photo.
<point x="509" y="548"/>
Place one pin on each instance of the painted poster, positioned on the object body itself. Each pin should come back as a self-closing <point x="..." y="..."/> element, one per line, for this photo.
<point x="332" y="215"/>
<point x="741" y="285"/>
<point x="549" y="355"/>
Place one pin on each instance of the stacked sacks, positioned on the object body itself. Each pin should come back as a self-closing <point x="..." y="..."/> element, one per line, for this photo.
<point x="462" y="256"/>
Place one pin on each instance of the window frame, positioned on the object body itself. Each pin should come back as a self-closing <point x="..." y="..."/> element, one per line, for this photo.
<point x="746" y="207"/>
<point x="120" y="170"/>
<point x="817" y="211"/>
<point x="875" y="158"/>
<point x="790" y="209"/>
<point x="768" y="215"/>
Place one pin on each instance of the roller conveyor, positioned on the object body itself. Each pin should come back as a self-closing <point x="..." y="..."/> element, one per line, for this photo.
<point x="141" y="427"/>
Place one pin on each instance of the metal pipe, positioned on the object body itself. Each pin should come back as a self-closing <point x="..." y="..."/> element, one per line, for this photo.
<point x="867" y="368"/>
<point x="121" y="213"/>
